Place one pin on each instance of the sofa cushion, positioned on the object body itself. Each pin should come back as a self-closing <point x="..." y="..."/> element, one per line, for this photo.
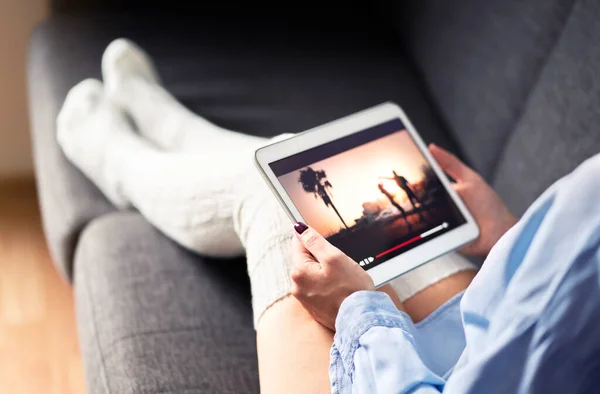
<point x="560" y="127"/>
<point x="154" y="318"/>
<point x="258" y="77"/>
<point x="480" y="60"/>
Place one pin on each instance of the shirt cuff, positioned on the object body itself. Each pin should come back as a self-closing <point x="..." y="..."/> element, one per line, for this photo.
<point x="360" y="312"/>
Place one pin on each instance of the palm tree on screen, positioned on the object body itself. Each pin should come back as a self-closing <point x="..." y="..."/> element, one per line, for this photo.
<point x="316" y="182"/>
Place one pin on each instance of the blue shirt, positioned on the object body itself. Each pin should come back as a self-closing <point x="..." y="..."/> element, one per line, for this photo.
<point x="528" y="323"/>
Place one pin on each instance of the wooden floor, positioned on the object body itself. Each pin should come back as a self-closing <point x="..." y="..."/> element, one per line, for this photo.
<point x="38" y="340"/>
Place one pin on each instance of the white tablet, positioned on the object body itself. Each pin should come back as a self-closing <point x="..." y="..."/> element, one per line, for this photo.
<point x="368" y="183"/>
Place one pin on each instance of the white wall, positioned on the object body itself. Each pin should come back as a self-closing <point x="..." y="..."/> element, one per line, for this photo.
<point x="17" y="18"/>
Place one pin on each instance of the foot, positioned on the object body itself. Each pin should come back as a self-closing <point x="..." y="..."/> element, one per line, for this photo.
<point x="132" y="83"/>
<point x="130" y="61"/>
<point x="95" y="136"/>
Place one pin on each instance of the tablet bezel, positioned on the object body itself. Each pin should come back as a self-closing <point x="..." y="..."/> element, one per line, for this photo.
<point x="407" y="261"/>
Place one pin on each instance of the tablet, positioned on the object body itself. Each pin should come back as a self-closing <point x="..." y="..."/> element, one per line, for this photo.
<point x="368" y="184"/>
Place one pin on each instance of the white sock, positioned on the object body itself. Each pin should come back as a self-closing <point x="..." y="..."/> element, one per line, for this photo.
<point x="266" y="233"/>
<point x="189" y="197"/>
<point x="132" y="82"/>
<point x="95" y="136"/>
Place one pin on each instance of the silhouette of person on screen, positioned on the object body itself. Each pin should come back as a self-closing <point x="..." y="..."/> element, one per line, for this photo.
<point x="394" y="203"/>
<point x="403" y="184"/>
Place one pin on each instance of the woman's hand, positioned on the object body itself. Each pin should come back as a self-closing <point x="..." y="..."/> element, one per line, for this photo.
<point x="490" y="213"/>
<point x="323" y="276"/>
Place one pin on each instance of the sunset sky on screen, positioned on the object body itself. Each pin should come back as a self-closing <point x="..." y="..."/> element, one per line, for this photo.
<point x="354" y="176"/>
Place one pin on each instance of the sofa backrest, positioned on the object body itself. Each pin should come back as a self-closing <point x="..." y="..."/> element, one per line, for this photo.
<point x="560" y="125"/>
<point x="516" y="83"/>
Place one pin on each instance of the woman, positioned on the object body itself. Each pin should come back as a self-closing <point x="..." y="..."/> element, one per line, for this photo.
<point x="532" y="304"/>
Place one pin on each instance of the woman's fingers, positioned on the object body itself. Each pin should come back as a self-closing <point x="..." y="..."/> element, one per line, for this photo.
<point x="305" y="264"/>
<point x="301" y="254"/>
<point x="316" y="244"/>
<point x="450" y="163"/>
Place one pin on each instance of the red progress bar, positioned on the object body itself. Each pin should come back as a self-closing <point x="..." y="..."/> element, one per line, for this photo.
<point x="418" y="237"/>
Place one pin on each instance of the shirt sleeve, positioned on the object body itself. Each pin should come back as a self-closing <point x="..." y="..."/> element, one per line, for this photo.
<point x="374" y="350"/>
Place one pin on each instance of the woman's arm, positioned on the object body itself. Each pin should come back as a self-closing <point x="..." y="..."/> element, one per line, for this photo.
<point x="375" y="351"/>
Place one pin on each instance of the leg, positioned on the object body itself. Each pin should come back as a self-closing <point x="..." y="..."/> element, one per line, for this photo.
<point x="293" y="350"/>
<point x="427" y="287"/>
<point x="399" y="208"/>
<point x="413" y="198"/>
<point x="163" y="186"/>
<point x="423" y="303"/>
<point x="293" y="346"/>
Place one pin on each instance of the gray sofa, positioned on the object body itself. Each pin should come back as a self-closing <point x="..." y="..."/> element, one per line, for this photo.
<point x="512" y="86"/>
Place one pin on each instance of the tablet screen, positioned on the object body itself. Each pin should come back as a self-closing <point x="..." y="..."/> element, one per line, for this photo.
<point x="372" y="194"/>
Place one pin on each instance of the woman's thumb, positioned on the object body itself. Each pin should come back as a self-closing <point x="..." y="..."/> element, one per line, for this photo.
<point x="314" y="242"/>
